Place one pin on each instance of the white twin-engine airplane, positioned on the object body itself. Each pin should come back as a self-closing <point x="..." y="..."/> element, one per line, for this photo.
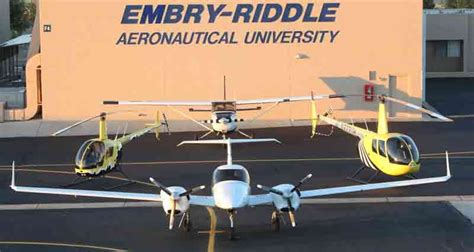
<point x="230" y="191"/>
<point x="224" y="112"/>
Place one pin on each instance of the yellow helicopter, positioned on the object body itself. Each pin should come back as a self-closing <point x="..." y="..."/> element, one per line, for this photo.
<point x="101" y="155"/>
<point x="394" y="154"/>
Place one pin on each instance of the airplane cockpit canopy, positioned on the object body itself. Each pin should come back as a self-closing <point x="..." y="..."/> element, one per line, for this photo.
<point x="402" y="150"/>
<point x="230" y="174"/>
<point x="91" y="154"/>
<point x="224" y="106"/>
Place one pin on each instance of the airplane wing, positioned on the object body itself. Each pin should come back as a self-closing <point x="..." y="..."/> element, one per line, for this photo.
<point x="285" y="99"/>
<point x="262" y="199"/>
<point x="160" y="103"/>
<point x="199" y="200"/>
<point x="88" y="193"/>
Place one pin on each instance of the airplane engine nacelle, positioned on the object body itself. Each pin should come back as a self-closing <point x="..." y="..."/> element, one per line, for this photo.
<point x="286" y="204"/>
<point x="181" y="204"/>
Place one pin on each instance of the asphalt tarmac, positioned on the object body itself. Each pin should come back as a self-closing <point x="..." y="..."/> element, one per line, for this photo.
<point x="430" y="226"/>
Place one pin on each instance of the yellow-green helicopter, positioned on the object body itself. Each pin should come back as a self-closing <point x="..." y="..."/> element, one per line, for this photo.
<point x="101" y="155"/>
<point x="394" y="154"/>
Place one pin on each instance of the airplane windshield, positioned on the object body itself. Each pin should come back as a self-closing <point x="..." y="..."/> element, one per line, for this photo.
<point x="413" y="149"/>
<point x="398" y="151"/>
<point x="225" y="115"/>
<point x="223" y="106"/>
<point x="90" y="154"/>
<point x="230" y="174"/>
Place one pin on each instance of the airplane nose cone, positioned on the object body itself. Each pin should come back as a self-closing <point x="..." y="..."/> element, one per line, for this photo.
<point x="230" y="194"/>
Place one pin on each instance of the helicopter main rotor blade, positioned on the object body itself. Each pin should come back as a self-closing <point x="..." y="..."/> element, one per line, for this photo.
<point x="413" y="106"/>
<point x="90" y="119"/>
<point x="76" y="124"/>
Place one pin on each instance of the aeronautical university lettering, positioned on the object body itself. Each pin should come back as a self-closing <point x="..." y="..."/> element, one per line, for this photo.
<point x="165" y="15"/>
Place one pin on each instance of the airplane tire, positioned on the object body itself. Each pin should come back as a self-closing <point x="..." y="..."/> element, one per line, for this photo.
<point x="187" y="226"/>
<point x="232" y="236"/>
<point x="276" y="224"/>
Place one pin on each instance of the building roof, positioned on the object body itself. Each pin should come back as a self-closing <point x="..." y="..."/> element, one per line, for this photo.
<point x="20" y="40"/>
<point x="448" y="11"/>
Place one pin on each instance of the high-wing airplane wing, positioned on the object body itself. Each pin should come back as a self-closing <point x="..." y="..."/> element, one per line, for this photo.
<point x="285" y="99"/>
<point x="160" y="103"/>
<point x="262" y="199"/>
<point x="194" y="199"/>
<point x="209" y="103"/>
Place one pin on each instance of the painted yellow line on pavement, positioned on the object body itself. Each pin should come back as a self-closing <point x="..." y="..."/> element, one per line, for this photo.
<point x="212" y="229"/>
<point x="54" y="244"/>
<point x="438" y="155"/>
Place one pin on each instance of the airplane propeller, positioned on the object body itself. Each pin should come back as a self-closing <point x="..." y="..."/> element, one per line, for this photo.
<point x="287" y="196"/>
<point x="174" y="197"/>
<point x="301" y="182"/>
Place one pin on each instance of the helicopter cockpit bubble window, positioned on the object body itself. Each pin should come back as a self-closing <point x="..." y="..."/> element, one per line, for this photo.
<point x="413" y="149"/>
<point x="230" y="174"/>
<point x="398" y="151"/>
<point x="91" y="154"/>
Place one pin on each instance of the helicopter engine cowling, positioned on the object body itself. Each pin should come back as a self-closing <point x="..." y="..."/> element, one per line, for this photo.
<point x="290" y="201"/>
<point x="180" y="204"/>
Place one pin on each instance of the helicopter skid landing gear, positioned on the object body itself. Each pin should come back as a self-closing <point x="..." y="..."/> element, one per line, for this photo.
<point x="84" y="179"/>
<point x="77" y="181"/>
<point x="127" y="182"/>
<point x="410" y="176"/>
<point x="354" y="178"/>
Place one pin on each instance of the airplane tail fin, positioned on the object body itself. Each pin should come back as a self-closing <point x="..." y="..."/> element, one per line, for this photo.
<point x="12" y="185"/>
<point x="228" y="142"/>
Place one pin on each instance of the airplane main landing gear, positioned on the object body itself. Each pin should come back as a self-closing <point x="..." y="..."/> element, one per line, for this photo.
<point x="275" y="221"/>
<point x="186" y="223"/>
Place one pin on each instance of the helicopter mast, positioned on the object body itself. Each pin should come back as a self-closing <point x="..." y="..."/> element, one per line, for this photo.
<point x="102" y="128"/>
<point x="382" y="127"/>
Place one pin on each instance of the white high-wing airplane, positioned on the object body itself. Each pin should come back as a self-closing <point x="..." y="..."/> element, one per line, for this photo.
<point x="223" y="112"/>
<point x="230" y="191"/>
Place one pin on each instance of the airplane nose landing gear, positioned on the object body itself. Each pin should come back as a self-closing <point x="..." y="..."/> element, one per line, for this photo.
<point x="232" y="235"/>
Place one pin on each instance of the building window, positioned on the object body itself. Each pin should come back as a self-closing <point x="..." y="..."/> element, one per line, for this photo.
<point x="444" y="56"/>
<point x="454" y="49"/>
